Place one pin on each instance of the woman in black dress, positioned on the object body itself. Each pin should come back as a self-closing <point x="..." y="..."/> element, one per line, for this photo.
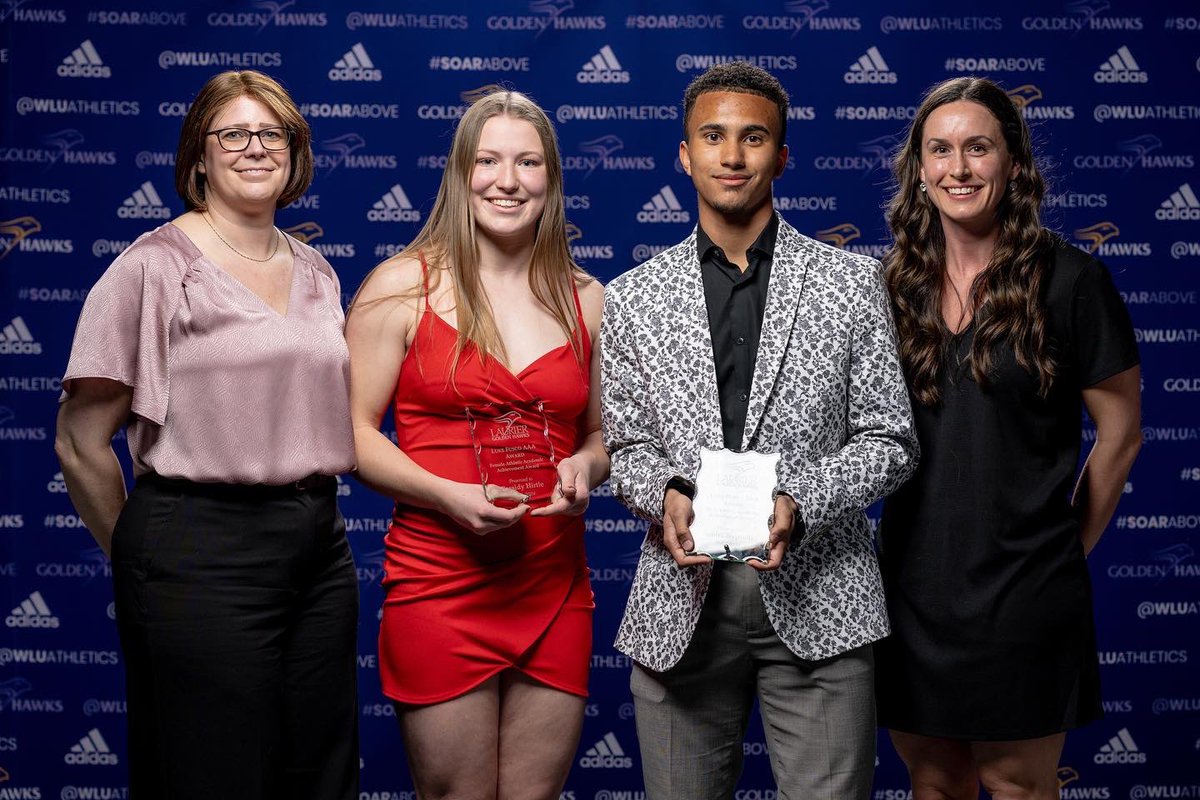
<point x="1006" y="332"/>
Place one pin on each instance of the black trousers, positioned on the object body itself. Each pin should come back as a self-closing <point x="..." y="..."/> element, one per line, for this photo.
<point x="237" y="610"/>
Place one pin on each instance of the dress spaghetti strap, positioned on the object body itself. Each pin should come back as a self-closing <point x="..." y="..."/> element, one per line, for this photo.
<point x="581" y="330"/>
<point x="425" y="277"/>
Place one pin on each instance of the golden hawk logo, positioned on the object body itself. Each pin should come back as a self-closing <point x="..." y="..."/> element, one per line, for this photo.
<point x="573" y="232"/>
<point x="1098" y="234"/>
<point x="509" y="419"/>
<point x="1089" y="8"/>
<point x="471" y="95"/>
<point x="1066" y="775"/>
<point x="839" y="235"/>
<point x="14" y="230"/>
<point x="305" y="232"/>
<point x="551" y="7"/>
<point x="806" y="8"/>
<point x="1024" y="95"/>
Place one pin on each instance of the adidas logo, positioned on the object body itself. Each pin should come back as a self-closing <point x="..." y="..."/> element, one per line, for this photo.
<point x="57" y="484"/>
<point x="602" y="68"/>
<point x="1181" y="205"/>
<point x="606" y="754"/>
<point x="144" y="203"/>
<point x="1121" y="67"/>
<point x="870" y="68"/>
<point x="32" y="613"/>
<point x="17" y="340"/>
<point x="356" y="65"/>
<point x="92" y="750"/>
<point x="1121" y="749"/>
<point x="663" y="207"/>
<point x="84" y="62"/>
<point x="394" y="207"/>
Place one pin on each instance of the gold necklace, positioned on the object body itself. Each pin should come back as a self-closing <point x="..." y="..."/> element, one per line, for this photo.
<point x="204" y="216"/>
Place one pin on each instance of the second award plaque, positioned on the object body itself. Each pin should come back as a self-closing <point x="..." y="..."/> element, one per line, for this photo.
<point x="733" y="504"/>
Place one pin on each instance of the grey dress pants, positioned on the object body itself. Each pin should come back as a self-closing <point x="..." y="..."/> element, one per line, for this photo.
<point x="818" y="716"/>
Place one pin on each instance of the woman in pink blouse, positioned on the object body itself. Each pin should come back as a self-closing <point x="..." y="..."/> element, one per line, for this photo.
<point x="217" y="340"/>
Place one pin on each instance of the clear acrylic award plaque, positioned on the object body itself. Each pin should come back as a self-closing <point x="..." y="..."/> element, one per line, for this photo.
<point x="733" y="504"/>
<point x="513" y="448"/>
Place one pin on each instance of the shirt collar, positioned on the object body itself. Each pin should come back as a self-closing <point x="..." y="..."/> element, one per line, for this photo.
<point x="763" y="246"/>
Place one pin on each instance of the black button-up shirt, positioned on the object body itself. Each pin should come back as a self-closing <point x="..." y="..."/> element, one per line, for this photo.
<point x="736" y="301"/>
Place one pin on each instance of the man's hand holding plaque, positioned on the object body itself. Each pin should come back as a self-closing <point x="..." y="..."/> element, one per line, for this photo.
<point x="735" y="515"/>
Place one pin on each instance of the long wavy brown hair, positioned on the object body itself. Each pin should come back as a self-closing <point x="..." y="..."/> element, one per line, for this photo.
<point x="447" y="240"/>
<point x="1006" y="297"/>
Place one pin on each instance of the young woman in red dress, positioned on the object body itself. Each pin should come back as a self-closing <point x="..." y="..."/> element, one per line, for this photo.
<point x="485" y="637"/>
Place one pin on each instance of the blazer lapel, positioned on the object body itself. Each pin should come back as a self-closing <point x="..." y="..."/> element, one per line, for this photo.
<point x="788" y="268"/>
<point x="700" y="366"/>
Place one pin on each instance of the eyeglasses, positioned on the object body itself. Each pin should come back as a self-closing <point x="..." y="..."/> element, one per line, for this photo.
<point x="235" y="140"/>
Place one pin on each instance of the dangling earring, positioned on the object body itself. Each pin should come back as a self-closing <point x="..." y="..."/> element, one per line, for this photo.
<point x="1012" y="185"/>
<point x="922" y="187"/>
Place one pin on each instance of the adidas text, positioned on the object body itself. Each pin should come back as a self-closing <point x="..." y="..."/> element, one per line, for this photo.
<point x="1120" y="758"/>
<point x="663" y="215"/>
<point x="1124" y="76"/>
<point x="144" y="212"/>
<point x="355" y="74"/>
<point x="869" y="77"/>
<point x="84" y="71"/>
<point x="20" y="348"/>
<point x="394" y="215"/>
<point x="606" y="762"/>
<point x="1178" y="214"/>
<point x="613" y="76"/>
<point x="27" y="621"/>
<point x="91" y="759"/>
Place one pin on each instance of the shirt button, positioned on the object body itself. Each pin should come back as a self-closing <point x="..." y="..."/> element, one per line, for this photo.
<point x="743" y="397"/>
<point x="741" y="340"/>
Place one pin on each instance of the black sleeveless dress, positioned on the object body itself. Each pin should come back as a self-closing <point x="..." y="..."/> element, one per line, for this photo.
<point x="987" y="586"/>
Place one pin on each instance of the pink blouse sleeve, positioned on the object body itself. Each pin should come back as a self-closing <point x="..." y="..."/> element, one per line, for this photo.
<point x="123" y="331"/>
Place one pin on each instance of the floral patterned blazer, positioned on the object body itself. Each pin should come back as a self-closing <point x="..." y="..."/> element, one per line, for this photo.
<point x="827" y="394"/>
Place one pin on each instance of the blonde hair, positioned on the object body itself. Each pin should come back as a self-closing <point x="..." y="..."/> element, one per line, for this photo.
<point x="220" y="91"/>
<point x="447" y="240"/>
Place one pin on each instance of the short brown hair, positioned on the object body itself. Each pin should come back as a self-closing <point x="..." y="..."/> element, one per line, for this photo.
<point x="220" y="91"/>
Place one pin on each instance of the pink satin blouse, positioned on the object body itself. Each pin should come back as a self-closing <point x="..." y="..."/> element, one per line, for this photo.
<point x="225" y="389"/>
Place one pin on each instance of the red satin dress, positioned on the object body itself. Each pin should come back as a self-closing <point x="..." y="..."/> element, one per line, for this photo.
<point x="460" y="607"/>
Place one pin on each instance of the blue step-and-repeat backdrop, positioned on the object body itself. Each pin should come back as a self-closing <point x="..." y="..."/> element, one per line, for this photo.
<point x="93" y="99"/>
